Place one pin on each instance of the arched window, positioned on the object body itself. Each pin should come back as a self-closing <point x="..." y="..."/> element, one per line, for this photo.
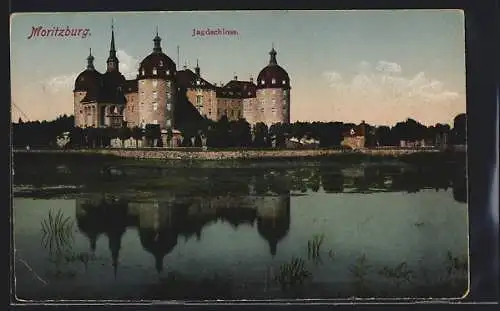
<point x="154" y="71"/>
<point x="273" y="81"/>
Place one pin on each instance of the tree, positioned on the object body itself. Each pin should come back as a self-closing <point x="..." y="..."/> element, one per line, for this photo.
<point x="77" y="137"/>
<point x="460" y="129"/>
<point x="152" y="134"/>
<point x="124" y="134"/>
<point x="261" y="134"/>
<point x="277" y="131"/>
<point x="240" y="133"/>
<point x="383" y="136"/>
<point x="170" y="135"/>
<point x="137" y="135"/>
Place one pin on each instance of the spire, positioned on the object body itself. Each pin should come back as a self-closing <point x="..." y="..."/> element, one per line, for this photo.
<point x="157" y="42"/>
<point x="112" y="59"/>
<point x="90" y="61"/>
<point x="112" y="49"/>
<point x="272" y="60"/>
<point x="197" y="68"/>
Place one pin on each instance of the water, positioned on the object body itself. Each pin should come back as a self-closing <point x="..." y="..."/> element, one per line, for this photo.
<point x="191" y="232"/>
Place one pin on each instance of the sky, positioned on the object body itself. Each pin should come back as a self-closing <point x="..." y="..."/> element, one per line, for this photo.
<point x="378" y="66"/>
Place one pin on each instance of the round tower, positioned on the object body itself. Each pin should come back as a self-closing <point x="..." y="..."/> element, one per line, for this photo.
<point x="273" y="93"/>
<point x="86" y="87"/>
<point x="156" y="88"/>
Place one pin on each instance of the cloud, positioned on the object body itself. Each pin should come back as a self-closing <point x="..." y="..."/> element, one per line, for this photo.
<point x="129" y="65"/>
<point x="383" y="94"/>
<point x="60" y="83"/>
<point x="388" y="67"/>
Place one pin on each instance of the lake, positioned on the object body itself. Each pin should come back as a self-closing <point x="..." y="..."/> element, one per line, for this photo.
<point x="106" y="228"/>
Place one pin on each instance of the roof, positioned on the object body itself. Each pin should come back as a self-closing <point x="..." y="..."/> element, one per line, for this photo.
<point x="237" y="89"/>
<point x="87" y="80"/>
<point x="186" y="78"/>
<point x="159" y="61"/>
<point x="273" y="75"/>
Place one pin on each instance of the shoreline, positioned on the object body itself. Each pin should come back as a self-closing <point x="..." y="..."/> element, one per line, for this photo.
<point x="242" y="154"/>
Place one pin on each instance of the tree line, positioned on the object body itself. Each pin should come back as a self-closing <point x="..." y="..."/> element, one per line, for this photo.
<point x="227" y="134"/>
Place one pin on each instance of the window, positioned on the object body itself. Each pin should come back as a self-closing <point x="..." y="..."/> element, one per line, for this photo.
<point x="198" y="82"/>
<point x="274" y="102"/>
<point x="262" y="103"/>
<point x="143" y="72"/>
<point x="155" y="106"/>
<point x="209" y="111"/>
<point x="155" y="121"/>
<point x="142" y="81"/>
<point x="199" y="100"/>
<point x="262" y="82"/>
<point x="168" y="72"/>
<point x="155" y="94"/>
<point x="155" y="82"/>
<point x="81" y="111"/>
<point x="168" y="107"/>
<point x="273" y="81"/>
<point x="261" y="109"/>
<point x="154" y="71"/>
<point x="284" y="82"/>
<point x="232" y="113"/>
<point x="161" y="63"/>
<point x="169" y="122"/>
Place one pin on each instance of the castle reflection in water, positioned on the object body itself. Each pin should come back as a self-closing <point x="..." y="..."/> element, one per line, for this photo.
<point x="259" y="199"/>
<point x="160" y="224"/>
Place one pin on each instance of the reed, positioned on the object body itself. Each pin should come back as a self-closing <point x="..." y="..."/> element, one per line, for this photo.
<point x="292" y="273"/>
<point x="314" y="247"/>
<point x="57" y="233"/>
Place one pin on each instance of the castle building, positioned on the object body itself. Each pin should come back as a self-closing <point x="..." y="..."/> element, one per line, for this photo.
<point x="159" y="91"/>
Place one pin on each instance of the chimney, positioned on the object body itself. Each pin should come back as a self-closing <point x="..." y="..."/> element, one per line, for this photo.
<point x="251" y="79"/>
<point x="236" y="77"/>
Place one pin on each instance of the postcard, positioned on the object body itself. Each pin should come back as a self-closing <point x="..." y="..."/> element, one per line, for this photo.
<point x="259" y="155"/>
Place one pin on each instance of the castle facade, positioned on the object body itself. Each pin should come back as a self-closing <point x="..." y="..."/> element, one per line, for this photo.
<point x="154" y="97"/>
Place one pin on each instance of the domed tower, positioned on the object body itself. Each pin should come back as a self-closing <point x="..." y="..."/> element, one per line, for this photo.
<point x="86" y="86"/>
<point x="273" y="93"/>
<point x="156" y="88"/>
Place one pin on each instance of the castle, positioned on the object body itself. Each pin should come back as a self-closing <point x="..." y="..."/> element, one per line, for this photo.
<point x="163" y="95"/>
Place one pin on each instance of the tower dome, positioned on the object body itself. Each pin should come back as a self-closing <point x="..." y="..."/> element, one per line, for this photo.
<point x="273" y="75"/>
<point x="157" y="64"/>
<point x="89" y="79"/>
